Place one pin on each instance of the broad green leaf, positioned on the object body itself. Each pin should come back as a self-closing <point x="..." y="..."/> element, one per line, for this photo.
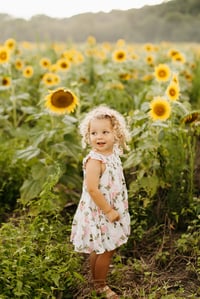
<point x="28" y="153"/>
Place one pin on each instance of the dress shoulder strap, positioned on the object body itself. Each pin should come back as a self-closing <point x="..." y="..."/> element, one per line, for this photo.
<point x="95" y="156"/>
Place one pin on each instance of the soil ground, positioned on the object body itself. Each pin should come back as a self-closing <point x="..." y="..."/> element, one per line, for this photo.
<point x="143" y="275"/>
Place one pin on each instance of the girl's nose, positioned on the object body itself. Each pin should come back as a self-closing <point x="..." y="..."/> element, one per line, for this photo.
<point x="99" y="135"/>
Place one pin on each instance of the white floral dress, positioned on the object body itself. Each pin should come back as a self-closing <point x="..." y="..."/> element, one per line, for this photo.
<point x="91" y="230"/>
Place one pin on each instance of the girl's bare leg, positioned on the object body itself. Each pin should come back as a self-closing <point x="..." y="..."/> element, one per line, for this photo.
<point x="99" y="266"/>
<point x="93" y="257"/>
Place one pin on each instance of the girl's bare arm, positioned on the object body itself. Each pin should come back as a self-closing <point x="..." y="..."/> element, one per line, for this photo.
<point x="93" y="173"/>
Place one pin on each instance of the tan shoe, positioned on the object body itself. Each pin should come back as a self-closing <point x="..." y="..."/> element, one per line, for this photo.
<point x="107" y="293"/>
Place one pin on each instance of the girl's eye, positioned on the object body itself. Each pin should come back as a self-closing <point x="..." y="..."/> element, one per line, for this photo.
<point x="95" y="133"/>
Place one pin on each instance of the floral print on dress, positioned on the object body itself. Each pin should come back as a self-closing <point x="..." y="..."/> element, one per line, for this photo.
<point x="91" y="230"/>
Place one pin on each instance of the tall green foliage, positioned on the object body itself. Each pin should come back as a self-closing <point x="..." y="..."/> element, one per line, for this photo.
<point x="41" y="159"/>
<point x="36" y="259"/>
<point x="160" y="172"/>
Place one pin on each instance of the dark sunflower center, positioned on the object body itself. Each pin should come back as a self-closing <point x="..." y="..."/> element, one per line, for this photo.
<point x="5" y="82"/>
<point x="3" y="55"/>
<point x="62" y="99"/>
<point x="174" y="53"/>
<point x="172" y="92"/>
<point x="64" y="65"/>
<point x="162" y="74"/>
<point x="159" y="110"/>
<point x="120" y="56"/>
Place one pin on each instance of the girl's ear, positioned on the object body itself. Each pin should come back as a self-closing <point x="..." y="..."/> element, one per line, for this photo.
<point x="87" y="138"/>
<point x="115" y="138"/>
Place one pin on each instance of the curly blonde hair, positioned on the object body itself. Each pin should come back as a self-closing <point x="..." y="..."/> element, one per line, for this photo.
<point x="117" y="121"/>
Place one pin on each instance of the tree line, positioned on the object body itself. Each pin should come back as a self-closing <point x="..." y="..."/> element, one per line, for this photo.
<point x="169" y="21"/>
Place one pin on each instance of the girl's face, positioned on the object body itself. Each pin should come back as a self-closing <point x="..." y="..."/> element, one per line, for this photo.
<point x="101" y="136"/>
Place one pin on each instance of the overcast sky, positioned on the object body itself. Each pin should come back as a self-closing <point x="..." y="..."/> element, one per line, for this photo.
<point x="65" y="8"/>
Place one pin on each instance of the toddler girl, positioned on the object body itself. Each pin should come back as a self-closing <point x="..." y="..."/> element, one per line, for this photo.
<point x="102" y="221"/>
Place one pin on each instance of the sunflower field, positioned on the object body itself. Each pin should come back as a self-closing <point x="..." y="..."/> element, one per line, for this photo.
<point x="45" y="90"/>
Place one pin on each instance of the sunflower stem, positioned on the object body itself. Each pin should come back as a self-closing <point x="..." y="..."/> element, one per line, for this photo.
<point x="52" y="118"/>
<point x="14" y="112"/>
<point x="191" y="150"/>
<point x="13" y="100"/>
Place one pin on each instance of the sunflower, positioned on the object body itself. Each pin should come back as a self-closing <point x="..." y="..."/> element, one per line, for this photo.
<point x="162" y="72"/>
<point x="56" y="79"/>
<point x="134" y="56"/>
<point x="179" y="57"/>
<point x="172" y="52"/>
<point x="27" y="45"/>
<point x="45" y="62"/>
<point x="6" y="81"/>
<point x="101" y="55"/>
<point x="91" y="40"/>
<point x="125" y="76"/>
<point x="10" y="44"/>
<point x="119" y="55"/>
<point x="191" y="117"/>
<point x="120" y="42"/>
<point x="79" y="58"/>
<point x="115" y="85"/>
<point x="91" y="52"/>
<point x="193" y="65"/>
<point x="53" y="68"/>
<point x="61" y="101"/>
<point x="106" y="46"/>
<point x="19" y="64"/>
<point x="160" y="109"/>
<point x="175" y="78"/>
<point x="4" y="54"/>
<point x="28" y="71"/>
<point x="63" y="64"/>
<point x="50" y="79"/>
<point x="149" y="59"/>
<point x="147" y="77"/>
<point x="83" y="80"/>
<point x="68" y="54"/>
<point x="73" y="55"/>
<point x="149" y="47"/>
<point x="188" y="76"/>
<point x="173" y="91"/>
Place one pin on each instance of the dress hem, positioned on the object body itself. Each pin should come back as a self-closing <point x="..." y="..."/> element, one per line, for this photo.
<point x="88" y="252"/>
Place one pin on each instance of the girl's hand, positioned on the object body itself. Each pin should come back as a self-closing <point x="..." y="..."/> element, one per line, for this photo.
<point x="113" y="215"/>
